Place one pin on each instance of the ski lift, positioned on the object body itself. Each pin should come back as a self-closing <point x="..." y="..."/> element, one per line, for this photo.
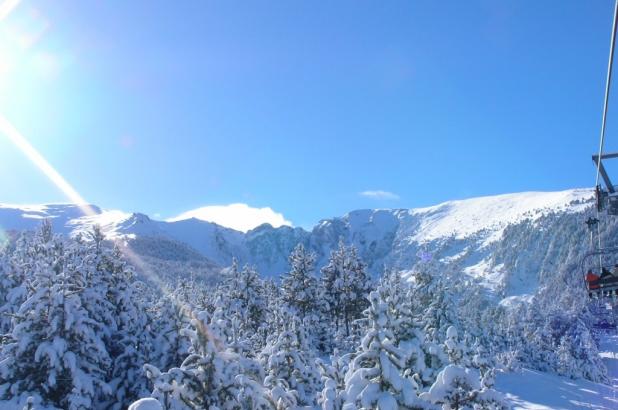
<point x="606" y="198"/>
<point x="606" y="286"/>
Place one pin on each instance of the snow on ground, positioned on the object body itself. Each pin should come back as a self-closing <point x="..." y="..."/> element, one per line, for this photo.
<point x="609" y="352"/>
<point x="492" y="275"/>
<point x="533" y="390"/>
<point x="466" y="217"/>
<point x="108" y="220"/>
<point x="28" y="217"/>
<point x="146" y="404"/>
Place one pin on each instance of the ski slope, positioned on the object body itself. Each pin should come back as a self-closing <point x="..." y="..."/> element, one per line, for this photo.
<point x="533" y="390"/>
<point x="463" y="218"/>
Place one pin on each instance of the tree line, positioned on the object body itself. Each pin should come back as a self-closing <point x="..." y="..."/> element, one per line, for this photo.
<point x="81" y="330"/>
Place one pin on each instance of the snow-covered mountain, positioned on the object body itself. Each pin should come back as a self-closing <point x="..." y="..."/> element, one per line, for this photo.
<point x="474" y="236"/>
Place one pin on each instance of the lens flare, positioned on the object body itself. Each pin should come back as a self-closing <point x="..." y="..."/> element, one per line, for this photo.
<point x="6" y="7"/>
<point x="54" y="176"/>
<point x="40" y="162"/>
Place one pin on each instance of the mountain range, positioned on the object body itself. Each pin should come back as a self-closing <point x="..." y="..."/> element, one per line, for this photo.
<point x="507" y="243"/>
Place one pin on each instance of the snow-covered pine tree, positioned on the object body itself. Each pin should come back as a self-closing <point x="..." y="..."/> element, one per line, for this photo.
<point x="458" y="387"/>
<point x="275" y="315"/>
<point x="344" y="287"/>
<point x="171" y="347"/>
<point x="484" y="363"/>
<point x="291" y="374"/>
<point x="5" y="287"/>
<point x="208" y="378"/>
<point x="432" y="305"/>
<point x="404" y="324"/>
<point x="55" y="350"/>
<point x="13" y="290"/>
<point x="109" y="300"/>
<point x="299" y="287"/>
<point x="439" y="313"/>
<point x="461" y="387"/>
<point x="241" y="296"/>
<point x="131" y="341"/>
<point x="456" y="350"/>
<point x="93" y="262"/>
<point x="356" y="288"/>
<point x="332" y="395"/>
<point x="577" y="355"/>
<point x="375" y="377"/>
<point x="566" y="362"/>
<point x="248" y="296"/>
<point x="488" y="331"/>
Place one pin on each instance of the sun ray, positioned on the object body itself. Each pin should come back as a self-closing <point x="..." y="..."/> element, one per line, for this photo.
<point x="40" y="162"/>
<point x="6" y="7"/>
<point x="54" y="176"/>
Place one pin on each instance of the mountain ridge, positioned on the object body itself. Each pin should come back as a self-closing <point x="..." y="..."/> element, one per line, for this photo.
<point x="460" y="234"/>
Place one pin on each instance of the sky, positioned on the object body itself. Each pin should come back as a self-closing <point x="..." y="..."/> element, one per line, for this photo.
<point x="298" y="111"/>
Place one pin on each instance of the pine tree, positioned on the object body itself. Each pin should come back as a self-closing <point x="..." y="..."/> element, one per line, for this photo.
<point x="299" y="288"/>
<point x="483" y="363"/>
<point x="109" y="300"/>
<point x="332" y="395"/>
<point x="290" y="367"/>
<point x="55" y="351"/>
<point x="242" y="299"/>
<point x="344" y="285"/>
<point x="171" y="347"/>
<point x="13" y="290"/>
<point x="456" y="350"/>
<point x="130" y="344"/>
<point x="577" y="355"/>
<point x="94" y="264"/>
<point x="439" y="314"/>
<point x="460" y="387"/>
<point x="375" y="378"/>
<point x="404" y="324"/>
<point x="208" y="378"/>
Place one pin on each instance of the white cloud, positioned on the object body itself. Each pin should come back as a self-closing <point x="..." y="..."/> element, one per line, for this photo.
<point x="384" y="195"/>
<point x="241" y="217"/>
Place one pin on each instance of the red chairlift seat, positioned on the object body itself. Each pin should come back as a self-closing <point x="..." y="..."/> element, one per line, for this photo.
<point x="607" y="284"/>
<point x="605" y="287"/>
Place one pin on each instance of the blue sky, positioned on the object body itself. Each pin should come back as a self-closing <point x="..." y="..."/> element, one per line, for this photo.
<point x="163" y="107"/>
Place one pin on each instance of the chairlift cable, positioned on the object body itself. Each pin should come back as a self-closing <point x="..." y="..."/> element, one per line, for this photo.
<point x="607" y="88"/>
<point x="608" y="83"/>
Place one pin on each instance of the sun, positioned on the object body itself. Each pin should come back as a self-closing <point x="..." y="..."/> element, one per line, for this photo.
<point x="21" y="28"/>
<point x="6" y="7"/>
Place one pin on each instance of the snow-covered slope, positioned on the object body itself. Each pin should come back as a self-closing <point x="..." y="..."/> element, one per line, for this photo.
<point x="29" y="217"/>
<point x="474" y="236"/>
<point x="507" y="242"/>
<point x="534" y="390"/>
<point x="461" y="219"/>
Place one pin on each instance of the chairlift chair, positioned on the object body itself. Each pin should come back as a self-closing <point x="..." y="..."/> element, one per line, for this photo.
<point x="600" y="288"/>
